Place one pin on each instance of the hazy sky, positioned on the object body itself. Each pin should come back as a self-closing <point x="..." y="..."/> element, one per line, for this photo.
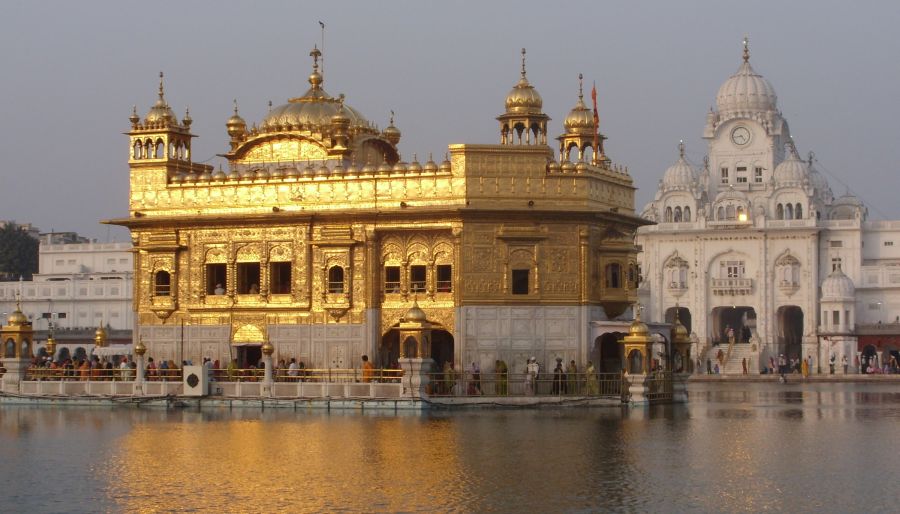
<point x="72" y="70"/>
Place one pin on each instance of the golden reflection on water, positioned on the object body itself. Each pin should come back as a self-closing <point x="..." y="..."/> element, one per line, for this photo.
<point x="297" y="464"/>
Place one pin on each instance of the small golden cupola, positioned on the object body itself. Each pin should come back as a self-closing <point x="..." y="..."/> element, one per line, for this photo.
<point x="100" y="336"/>
<point x="236" y="126"/>
<point x="581" y="132"/>
<point x="524" y="121"/>
<point x="17" y="335"/>
<point x="160" y="140"/>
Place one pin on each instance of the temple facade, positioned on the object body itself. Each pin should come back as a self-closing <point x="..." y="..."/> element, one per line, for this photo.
<point x="318" y="237"/>
<point x="758" y="257"/>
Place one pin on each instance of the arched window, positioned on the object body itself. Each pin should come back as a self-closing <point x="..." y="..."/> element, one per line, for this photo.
<point x="687" y="213"/>
<point x="788" y="211"/>
<point x="779" y="212"/>
<point x="677" y="218"/>
<point x="720" y="213"/>
<point x="10" y="350"/>
<point x="729" y="212"/>
<point x="335" y="279"/>
<point x="740" y="212"/>
<point x="798" y="212"/>
<point x="162" y="283"/>
<point x="614" y="275"/>
<point x="138" y="149"/>
<point x="159" y="153"/>
<point x="668" y="215"/>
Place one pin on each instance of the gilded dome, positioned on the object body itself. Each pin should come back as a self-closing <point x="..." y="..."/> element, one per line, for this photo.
<point x="792" y="169"/>
<point x="235" y="124"/>
<point x="580" y="119"/>
<point x="680" y="174"/>
<point x="746" y="90"/>
<point x="160" y="111"/>
<point x="17" y="318"/>
<point x="523" y="98"/>
<point x="414" y="314"/>
<point x="316" y="108"/>
<point x="838" y="286"/>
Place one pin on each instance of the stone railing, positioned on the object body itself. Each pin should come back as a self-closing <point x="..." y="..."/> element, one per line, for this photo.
<point x="732" y="286"/>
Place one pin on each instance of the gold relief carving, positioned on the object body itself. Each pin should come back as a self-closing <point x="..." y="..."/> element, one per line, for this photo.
<point x="481" y="259"/>
<point x="482" y="286"/>
<point x="280" y="252"/>
<point x="559" y="260"/>
<point x="248" y="253"/>
<point x="284" y="150"/>
<point x="216" y="255"/>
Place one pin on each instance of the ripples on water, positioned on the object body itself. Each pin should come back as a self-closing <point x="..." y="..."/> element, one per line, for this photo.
<point x="735" y="448"/>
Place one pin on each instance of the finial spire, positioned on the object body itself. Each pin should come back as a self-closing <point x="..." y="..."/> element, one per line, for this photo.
<point x="160" y="85"/>
<point x="811" y="157"/>
<point x="235" y="107"/>
<point x="746" y="49"/>
<point x="638" y="308"/>
<point x="392" y="116"/>
<point x="580" y="86"/>
<point x="681" y="148"/>
<point x="523" y="63"/>
<point x="270" y="105"/>
<point x="315" y="54"/>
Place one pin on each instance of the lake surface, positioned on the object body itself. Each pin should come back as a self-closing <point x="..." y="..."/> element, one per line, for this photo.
<point x="734" y="448"/>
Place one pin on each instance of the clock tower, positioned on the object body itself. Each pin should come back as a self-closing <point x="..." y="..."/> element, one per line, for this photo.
<point x="746" y="133"/>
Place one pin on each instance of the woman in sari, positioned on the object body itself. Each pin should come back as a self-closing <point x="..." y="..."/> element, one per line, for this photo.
<point x="593" y="386"/>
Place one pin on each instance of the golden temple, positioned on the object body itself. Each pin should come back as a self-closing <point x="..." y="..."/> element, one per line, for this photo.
<point x="319" y="237"/>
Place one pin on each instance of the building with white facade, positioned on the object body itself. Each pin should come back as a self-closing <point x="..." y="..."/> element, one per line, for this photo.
<point x="753" y="244"/>
<point x="78" y="288"/>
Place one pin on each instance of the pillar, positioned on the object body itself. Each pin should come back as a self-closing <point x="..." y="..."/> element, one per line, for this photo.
<point x="268" y="383"/>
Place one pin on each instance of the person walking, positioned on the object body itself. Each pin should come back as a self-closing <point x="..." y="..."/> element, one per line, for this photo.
<point x="531" y="372"/>
<point x="559" y="378"/>
<point x="593" y="386"/>
<point x="810" y="365"/>
<point x="844" y="363"/>
<point x="501" y="375"/>
<point x="368" y="369"/>
<point x="831" y="364"/>
<point x="474" y="388"/>
<point x="708" y="366"/>
<point x="804" y="368"/>
<point x="572" y="378"/>
<point x="744" y="365"/>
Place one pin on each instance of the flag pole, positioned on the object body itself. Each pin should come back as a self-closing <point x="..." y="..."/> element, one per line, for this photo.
<point x="321" y="24"/>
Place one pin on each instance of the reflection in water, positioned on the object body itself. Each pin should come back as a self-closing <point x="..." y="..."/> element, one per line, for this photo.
<point x="742" y="448"/>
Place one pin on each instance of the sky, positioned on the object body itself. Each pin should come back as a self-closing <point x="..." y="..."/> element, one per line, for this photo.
<point x="71" y="72"/>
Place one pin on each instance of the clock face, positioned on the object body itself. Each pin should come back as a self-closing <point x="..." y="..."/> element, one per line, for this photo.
<point x="740" y="136"/>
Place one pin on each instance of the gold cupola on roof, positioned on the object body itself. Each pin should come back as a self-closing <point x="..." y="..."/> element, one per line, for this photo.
<point x="580" y="119"/>
<point x="314" y="109"/>
<point x="524" y="121"/>
<point x="100" y="337"/>
<point x="160" y="112"/>
<point x="313" y="127"/>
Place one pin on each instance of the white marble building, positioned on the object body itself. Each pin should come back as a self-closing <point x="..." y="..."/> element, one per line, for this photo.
<point x="78" y="287"/>
<point x="753" y="243"/>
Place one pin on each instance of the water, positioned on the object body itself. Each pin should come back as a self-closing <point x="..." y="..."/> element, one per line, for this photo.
<point x="735" y="448"/>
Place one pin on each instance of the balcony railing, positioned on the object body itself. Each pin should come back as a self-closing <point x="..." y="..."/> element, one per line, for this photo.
<point x="732" y="286"/>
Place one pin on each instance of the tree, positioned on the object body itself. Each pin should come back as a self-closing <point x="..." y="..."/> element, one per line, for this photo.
<point x="18" y="253"/>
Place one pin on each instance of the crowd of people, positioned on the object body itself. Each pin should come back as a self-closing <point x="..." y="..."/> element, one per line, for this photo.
<point x="535" y="380"/>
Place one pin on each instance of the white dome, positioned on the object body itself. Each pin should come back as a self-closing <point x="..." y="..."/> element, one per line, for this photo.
<point x="680" y="174"/>
<point x="837" y="286"/>
<point x="746" y="91"/>
<point x="791" y="169"/>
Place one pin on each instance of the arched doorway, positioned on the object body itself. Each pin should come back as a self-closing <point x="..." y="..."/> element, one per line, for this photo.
<point x="635" y="362"/>
<point x="607" y="352"/>
<point x="684" y="316"/>
<point x="869" y="358"/>
<point x="740" y="319"/>
<point x="442" y="348"/>
<point x="389" y="351"/>
<point x="790" y="330"/>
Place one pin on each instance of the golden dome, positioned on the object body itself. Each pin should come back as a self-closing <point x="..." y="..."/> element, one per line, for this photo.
<point x="680" y="332"/>
<point x="523" y="97"/>
<point x="139" y="348"/>
<point x="267" y="348"/>
<point x="415" y="314"/>
<point x="160" y="112"/>
<point x="315" y="108"/>
<point x="638" y="328"/>
<point x="17" y="318"/>
<point x="100" y="336"/>
<point x="580" y="119"/>
<point x="235" y="124"/>
<point x="392" y="133"/>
